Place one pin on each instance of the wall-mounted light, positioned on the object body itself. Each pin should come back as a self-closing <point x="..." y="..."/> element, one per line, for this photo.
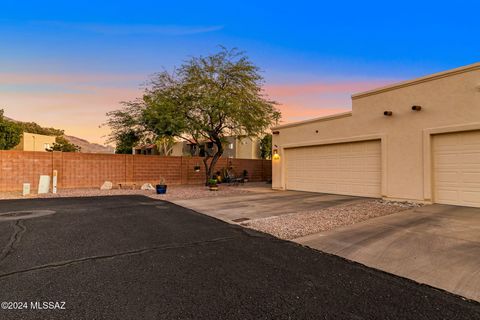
<point x="387" y="113"/>
<point x="275" y="155"/>
<point x="416" y="108"/>
<point x="275" y="132"/>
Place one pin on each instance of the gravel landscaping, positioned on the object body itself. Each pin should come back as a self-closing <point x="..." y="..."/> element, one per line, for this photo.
<point x="296" y="225"/>
<point x="176" y="192"/>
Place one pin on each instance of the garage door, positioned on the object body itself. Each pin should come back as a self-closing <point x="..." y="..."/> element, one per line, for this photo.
<point x="456" y="168"/>
<point x="346" y="168"/>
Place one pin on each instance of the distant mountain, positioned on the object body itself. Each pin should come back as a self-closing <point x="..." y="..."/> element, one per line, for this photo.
<point x="88" y="147"/>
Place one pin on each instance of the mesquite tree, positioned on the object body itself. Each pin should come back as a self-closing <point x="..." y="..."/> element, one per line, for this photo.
<point x="208" y="99"/>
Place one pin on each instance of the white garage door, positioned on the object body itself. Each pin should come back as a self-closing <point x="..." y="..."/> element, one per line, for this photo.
<point x="456" y="168"/>
<point x="346" y="168"/>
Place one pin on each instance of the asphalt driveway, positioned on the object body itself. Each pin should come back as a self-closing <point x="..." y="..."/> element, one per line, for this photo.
<point x="132" y="257"/>
<point x="438" y="245"/>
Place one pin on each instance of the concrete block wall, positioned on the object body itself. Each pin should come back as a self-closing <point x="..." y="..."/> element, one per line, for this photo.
<point x="83" y="170"/>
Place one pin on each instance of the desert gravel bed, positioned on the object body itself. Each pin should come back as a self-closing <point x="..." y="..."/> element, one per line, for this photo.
<point x="296" y="225"/>
<point x="180" y="192"/>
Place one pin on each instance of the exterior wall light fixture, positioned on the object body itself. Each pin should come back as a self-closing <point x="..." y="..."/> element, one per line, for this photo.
<point x="275" y="155"/>
<point x="387" y="113"/>
<point x="416" y="108"/>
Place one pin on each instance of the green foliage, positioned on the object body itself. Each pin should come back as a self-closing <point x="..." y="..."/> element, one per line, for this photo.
<point x="212" y="182"/>
<point x="62" y="144"/>
<point x="209" y="98"/>
<point x="205" y="100"/>
<point x="126" y="126"/>
<point x="32" y="127"/>
<point x="10" y="133"/>
<point x="125" y="142"/>
<point x="266" y="147"/>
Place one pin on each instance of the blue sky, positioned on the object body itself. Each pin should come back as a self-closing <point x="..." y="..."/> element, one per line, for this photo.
<point x="66" y="63"/>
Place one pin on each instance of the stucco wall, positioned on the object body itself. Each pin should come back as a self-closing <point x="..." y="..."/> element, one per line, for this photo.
<point x="34" y="142"/>
<point x="248" y="148"/>
<point x="449" y="102"/>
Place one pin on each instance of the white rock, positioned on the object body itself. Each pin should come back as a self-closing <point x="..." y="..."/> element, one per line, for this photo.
<point x="147" y="186"/>
<point x="107" y="185"/>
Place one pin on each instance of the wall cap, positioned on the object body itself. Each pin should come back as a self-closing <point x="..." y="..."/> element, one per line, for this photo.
<point x="319" y="119"/>
<point x="407" y="83"/>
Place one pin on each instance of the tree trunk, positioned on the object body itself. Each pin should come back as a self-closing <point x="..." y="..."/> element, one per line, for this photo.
<point x="207" y="169"/>
<point x="210" y="167"/>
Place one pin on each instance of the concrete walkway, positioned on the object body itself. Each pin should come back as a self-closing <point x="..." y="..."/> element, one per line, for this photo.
<point x="262" y="202"/>
<point x="438" y="245"/>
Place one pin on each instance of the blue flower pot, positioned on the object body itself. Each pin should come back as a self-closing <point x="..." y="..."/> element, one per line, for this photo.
<point x="161" y="188"/>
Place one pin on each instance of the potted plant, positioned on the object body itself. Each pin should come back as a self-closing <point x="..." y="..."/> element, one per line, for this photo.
<point x="245" y="175"/>
<point x="218" y="176"/>
<point x="161" y="186"/>
<point x="212" y="185"/>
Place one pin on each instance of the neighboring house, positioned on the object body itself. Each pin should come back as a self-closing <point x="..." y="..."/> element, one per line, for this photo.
<point x="35" y="142"/>
<point x="245" y="148"/>
<point x="416" y="140"/>
<point x="147" y="149"/>
<point x="238" y="148"/>
<point x="152" y="149"/>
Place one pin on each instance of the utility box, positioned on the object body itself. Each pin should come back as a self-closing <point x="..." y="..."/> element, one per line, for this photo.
<point x="26" y="189"/>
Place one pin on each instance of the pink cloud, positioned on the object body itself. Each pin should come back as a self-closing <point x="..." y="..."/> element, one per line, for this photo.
<point x="292" y="113"/>
<point x="289" y="90"/>
<point x="82" y="110"/>
<point x="311" y="100"/>
<point x="76" y="103"/>
<point x="79" y="114"/>
<point x="63" y="79"/>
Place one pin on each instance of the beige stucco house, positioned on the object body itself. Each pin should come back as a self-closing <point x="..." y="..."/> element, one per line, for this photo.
<point x="242" y="148"/>
<point x="238" y="148"/>
<point x="416" y="140"/>
<point x="35" y="142"/>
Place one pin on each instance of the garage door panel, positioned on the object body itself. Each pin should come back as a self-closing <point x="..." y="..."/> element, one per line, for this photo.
<point x="456" y="168"/>
<point x="470" y="196"/>
<point x="448" y="176"/>
<point x="471" y="158"/>
<point x="348" y="168"/>
<point x="470" y="177"/>
<point x="450" y="195"/>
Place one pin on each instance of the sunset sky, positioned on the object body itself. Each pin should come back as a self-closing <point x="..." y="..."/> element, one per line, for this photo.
<point x="66" y="63"/>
